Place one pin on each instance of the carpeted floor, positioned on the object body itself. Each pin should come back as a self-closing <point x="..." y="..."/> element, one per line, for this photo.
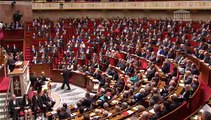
<point x="71" y="97"/>
<point x="4" y="83"/>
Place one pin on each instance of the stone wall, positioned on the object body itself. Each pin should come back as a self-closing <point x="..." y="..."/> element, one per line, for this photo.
<point x="7" y="11"/>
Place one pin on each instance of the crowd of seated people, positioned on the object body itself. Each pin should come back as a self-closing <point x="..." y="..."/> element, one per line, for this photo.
<point x="18" y="25"/>
<point x="155" y="99"/>
<point x="30" y="106"/>
<point x="12" y="54"/>
<point x="138" y="38"/>
<point x="94" y="33"/>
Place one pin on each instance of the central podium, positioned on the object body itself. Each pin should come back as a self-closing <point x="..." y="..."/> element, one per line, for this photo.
<point x="19" y="79"/>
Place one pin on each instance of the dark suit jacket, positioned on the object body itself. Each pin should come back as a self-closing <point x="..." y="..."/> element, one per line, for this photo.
<point x="25" y="105"/>
<point x="156" y="116"/>
<point x="33" y="79"/>
<point x="151" y="74"/>
<point x="186" y="95"/>
<point x="165" y="69"/>
<point x="206" y="59"/>
<point x="14" y="50"/>
<point x="12" y="105"/>
<point x="201" y="56"/>
<point x="98" y="76"/>
<point x="43" y="78"/>
<point x="63" y="115"/>
<point x="45" y="99"/>
<point x="195" y="71"/>
<point x="36" y="102"/>
<point x="11" y="64"/>
<point x="66" y="75"/>
<point x="8" y="50"/>
<point x="115" y="76"/>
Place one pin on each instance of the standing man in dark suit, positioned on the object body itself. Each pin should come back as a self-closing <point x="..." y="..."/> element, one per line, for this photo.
<point x="14" y="107"/>
<point x="16" y="16"/>
<point x="14" y="50"/>
<point x="66" y="76"/>
<point x="11" y="62"/>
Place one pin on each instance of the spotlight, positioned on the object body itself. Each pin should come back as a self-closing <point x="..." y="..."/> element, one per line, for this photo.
<point x="13" y="3"/>
<point x="61" y="5"/>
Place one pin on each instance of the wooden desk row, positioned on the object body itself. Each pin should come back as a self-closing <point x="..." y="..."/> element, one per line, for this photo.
<point x="77" y="78"/>
<point x="204" y="69"/>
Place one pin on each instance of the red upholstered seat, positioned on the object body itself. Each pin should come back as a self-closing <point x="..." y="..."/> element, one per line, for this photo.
<point x="113" y="61"/>
<point x="193" y="43"/>
<point x="171" y="67"/>
<point x="144" y="64"/>
<point x="81" y="61"/>
<point x="21" y="113"/>
<point x="122" y="55"/>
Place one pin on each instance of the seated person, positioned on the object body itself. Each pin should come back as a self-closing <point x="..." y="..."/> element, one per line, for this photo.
<point x="120" y="83"/>
<point x="35" y="60"/>
<point x="206" y="57"/>
<point x="130" y="69"/>
<point x="194" y="69"/>
<point x="47" y="101"/>
<point x="158" y="112"/>
<point x="67" y="108"/>
<point x="195" y="83"/>
<point x="87" y="100"/>
<point x="206" y="115"/>
<point x="37" y="104"/>
<point x="145" y="115"/>
<point x="14" y="107"/>
<point x="103" y="80"/>
<point x="115" y="75"/>
<point x="165" y="67"/>
<point x="141" y="95"/>
<point x="119" y="64"/>
<point x="175" y="102"/>
<point x="97" y="75"/>
<point x="26" y="106"/>
<point x="63" y="114"/>
<point x="187" y="92"/>
<point x="166" y="106"/>
<point x="110" y="71"/>
<point x="150" y="72"/>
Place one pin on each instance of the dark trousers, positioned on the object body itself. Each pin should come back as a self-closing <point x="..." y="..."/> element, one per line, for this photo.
<point x="36" y="111"/>
<point x="65" y="82"/>
<point x="14" y="114"/>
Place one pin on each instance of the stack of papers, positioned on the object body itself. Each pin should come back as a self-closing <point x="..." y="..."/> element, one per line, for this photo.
<point x="152" y="111"/>
<point x="114" y="102"/>
<point x="135" y="108"/>
<point x="130" y="112"/>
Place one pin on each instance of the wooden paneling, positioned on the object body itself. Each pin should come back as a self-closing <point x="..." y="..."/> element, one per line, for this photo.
<point x="56" y="76"/>
<point x="38" y="68"/>
<point x="79" y="79"/>
<point x="7" y="10"/>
